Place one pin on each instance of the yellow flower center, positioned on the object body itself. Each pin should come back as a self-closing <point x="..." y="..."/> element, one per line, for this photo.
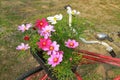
<point x="73" y="12"/>
<point x="55" y="60"/>
<point x="71" y="44"/>
<point x="47" y="30"/>
<point x="23" y="49"/>
<point x="25" y="28"/>
<point x="55" y="18"/>
<point x="41" y="23"/>
<point x="44" y="43"/>
<point x="51" y="48"/>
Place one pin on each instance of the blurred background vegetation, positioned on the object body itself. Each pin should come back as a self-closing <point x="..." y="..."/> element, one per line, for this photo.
<point x="102" y="15"/>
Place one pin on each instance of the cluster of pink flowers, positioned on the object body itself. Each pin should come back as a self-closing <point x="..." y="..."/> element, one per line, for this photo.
<point x="45" y="43"/>
<point x="52" y="49"/>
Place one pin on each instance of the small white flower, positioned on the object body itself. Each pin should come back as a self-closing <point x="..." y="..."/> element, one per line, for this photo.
<point x="72" y="12"/>
<point x="69" y="10"/>
<point x="54" y="19"/>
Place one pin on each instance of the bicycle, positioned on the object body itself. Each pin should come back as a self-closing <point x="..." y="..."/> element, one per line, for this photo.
<point x="96" y="57"/>
<point x="49" y="76"/>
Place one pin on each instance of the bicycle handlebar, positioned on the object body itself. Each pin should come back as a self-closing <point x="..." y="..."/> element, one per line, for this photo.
<point x="108" y="48"/>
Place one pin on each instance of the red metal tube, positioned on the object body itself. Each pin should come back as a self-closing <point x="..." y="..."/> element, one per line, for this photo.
<point x="117" y="60"/>
<point x="78" y="76"/>
<point x="117" y="78"/>
<point x="44" y="77"/>
<point x="100" y="60"/>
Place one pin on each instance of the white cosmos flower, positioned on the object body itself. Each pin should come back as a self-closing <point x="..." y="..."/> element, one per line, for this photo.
<point x="54" y="19"/>
<point x="69" y="10"/>
<point x="72" y="12"/>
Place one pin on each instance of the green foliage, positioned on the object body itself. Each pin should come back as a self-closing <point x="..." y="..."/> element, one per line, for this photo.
<point x="21" y="53"/>
<point x="34" y="38"/>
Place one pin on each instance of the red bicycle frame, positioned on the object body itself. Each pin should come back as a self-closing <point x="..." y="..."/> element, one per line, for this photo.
<point x="87" y="55"/>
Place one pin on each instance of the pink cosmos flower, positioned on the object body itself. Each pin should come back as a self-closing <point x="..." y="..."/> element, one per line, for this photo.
<point x="23" y="47"/>
<point x="53" y="48"/>
<point x="46" y="31"/>
<point x="71" y="43"/>
<point x="54" y="59"/>
<point x="24" y="27"/>
<point x="44" y="44"/>
<point x="41" y="23"/>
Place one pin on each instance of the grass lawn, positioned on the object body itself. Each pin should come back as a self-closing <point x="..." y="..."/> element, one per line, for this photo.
<point x="102" y="15"/>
